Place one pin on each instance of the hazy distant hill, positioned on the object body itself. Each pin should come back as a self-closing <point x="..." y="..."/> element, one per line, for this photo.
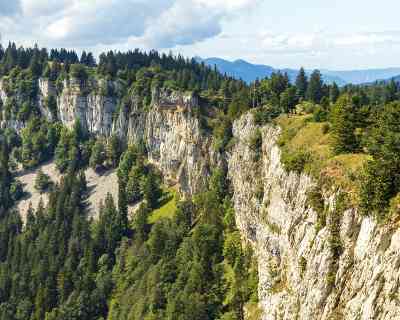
<point x="364" y="76"/>
<point x="396" y="79"/>
<point x="249" y="72"/>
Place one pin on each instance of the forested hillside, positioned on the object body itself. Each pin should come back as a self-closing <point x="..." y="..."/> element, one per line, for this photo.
<point x="166" y="261"/>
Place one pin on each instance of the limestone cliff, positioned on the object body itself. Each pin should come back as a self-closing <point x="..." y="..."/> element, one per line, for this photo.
<point x="168" y="126"/>
<point x="173" y="137"/>
<point x="300" y="277"/>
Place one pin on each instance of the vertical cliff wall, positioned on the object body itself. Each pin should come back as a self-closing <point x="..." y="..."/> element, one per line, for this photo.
<point x="173" y="136"/>
<point x="168" y="126"/>
<point x="300" y="275"/>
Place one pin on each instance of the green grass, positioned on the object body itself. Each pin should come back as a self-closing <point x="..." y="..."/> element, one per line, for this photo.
<point x="301" y="134"/>
<point x="167" y="206"/>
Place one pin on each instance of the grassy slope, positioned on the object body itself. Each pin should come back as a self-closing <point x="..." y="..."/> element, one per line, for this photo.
<point x="299" y="133"/>
<point x="167" y="207"/>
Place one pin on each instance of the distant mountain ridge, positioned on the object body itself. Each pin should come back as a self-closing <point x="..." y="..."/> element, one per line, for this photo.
<point x="249" y="72"/>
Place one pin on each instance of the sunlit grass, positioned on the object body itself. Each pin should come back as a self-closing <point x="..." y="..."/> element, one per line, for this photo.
<point x="300" y="133"/>
<point x="167" y="206"/>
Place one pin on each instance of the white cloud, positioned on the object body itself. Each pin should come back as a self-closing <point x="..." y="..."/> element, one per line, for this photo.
<point x="155" y="23"/>
<point x="321" y="42"/>
<point x="368" y="39"/>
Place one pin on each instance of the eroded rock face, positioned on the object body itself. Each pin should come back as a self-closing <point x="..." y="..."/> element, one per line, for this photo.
<point x="168" y="127"/>
<point x="173" y="136"/>
<point x="298" y="274"/>
<point x="84" y="102"/>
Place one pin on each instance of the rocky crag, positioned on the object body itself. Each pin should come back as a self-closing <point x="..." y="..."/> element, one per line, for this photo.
<point x="347" y="268"/>
<point x="168" y="127"/>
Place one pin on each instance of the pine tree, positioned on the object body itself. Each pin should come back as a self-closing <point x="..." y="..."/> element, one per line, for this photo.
<point x="114" y="150"/>
<point x="151" y="190"/>
<point x="334" y="92"/>
<point x="35" y="65"/>
<point x="83" y="59"/>
<point x="315" y="87"/>
<point x="90" y="61"/>
<point x="98" y="155"/>
<point x="301" y="83"/>
<point x="343" y="125"/>
<point x="133" y="188"/>
<point x="288" y="99"/>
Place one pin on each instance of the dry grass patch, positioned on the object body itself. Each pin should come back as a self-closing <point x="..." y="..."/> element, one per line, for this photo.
<point x="300" y="134"/>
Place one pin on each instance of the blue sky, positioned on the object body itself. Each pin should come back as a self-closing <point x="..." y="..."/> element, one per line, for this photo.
<point x="334" y="34"/>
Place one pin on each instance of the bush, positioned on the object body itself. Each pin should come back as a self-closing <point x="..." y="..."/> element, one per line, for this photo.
<point x="255" y="142"/>
<point x="16" y="190"/>
<point x="295" y="161"/>
<point x="265" y="114"/>
<point x="306" y="107"/>
<point x="319" y="114"/>
<point x="325" y="128"/>
<point x="42" y="182"/>
<point x="302" y="265"/>
<point x="78" y="71"/>
<point x="222" y="133"/>
<point x="377" y="188"/>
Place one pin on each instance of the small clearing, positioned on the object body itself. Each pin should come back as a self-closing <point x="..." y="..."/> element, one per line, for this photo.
<point x="167" y="206"/>
<point x="32" y="197"/>
<point x="98" y="185"/>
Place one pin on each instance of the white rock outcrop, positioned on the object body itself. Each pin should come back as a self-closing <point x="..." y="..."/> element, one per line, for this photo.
<point x="299" y="275"/>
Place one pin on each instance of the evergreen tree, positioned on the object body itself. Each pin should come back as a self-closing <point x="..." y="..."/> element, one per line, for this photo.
<point x="98" y="155"/>
<point x="151" y="190"/>
<point x="90" y="61"/>
<point x="301" y="83"/>
<point x="35" y="64"/>
<point x="288" y="100"/>
<point x="133" y="187"/>
<point x="334" y="92"/>
<point x="343" y="125"/>
<point x="114" y="150"/>
<point x="315" y="87"/>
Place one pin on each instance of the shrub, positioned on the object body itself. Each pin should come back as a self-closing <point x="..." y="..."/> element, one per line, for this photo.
<point x="319" y="114"/>
<point x="302" y="265"/>
<point x="265" y="114"/>
<point x="255" y="143"/>
<point x="42" y="182"/>
<point x="16" y="190"/>
<point x="377" y="187"/>
<point x="325" y="128"/>
<point x="295" y="161"/>
<point x="315" y="200"/>
<point x="78" y="71"/>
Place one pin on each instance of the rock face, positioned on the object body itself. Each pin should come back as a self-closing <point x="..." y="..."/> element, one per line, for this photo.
<point x="84" y="102"/>
<point x="173" y="137"/>
<point x="168" y="126"/>
<point x="300" y="276"/>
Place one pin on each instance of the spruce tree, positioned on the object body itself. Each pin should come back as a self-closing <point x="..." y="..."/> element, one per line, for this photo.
<point x="315" y="87"/>
<point x="98" y="155"/>
<point x="343" y="125"/>
<point x="151" y="190"/>
<point x="301" y="83"/>
<point x="334" y="92"/>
